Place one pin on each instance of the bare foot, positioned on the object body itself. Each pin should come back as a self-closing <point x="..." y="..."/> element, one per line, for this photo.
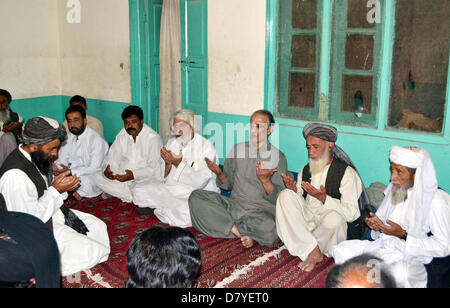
<point x="77" y="196"/>
<point x="313" y="258"/>
<point x="246" y="241"/>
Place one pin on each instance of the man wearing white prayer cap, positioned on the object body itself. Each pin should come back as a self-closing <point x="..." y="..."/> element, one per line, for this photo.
<point x="412" y="225"/>
<point x="324" y="208"/>
<point x="27" y="184"/>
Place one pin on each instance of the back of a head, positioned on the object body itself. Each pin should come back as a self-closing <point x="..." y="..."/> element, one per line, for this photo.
<point x="163" y="257"/>
<point x="78" y="99"/>
<point x="364" y="271"/>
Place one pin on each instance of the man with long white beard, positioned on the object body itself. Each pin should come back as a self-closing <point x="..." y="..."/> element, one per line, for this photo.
<point x="185" y="169"/>
<point x="412" y="225"/>
<point x="312" y="216"/>
<point x="10" y="126"/>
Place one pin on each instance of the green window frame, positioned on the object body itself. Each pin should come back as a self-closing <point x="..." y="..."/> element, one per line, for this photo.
<point x="377" y="125"/>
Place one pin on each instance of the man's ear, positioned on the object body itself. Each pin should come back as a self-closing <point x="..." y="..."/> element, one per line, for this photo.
<point x="270" y="130"/>
<point x="33" y="148"/>
<point x="330" y="146"/>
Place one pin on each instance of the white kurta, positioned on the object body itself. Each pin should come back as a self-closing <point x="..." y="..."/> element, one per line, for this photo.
<point x="7" y="142"/>
<point x="77" y="251"/>
<point x="141" y="157"/>
<point x="170" y="198"/>
<point x="92" y="122"/>
<point x="84" y="156"/>
<point x="304" y="224"/>
<point x="406" y="259"/>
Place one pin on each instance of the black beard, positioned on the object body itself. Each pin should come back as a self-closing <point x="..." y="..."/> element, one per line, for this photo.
<point x="77" y="131"/>
<point x="42" y="161"/>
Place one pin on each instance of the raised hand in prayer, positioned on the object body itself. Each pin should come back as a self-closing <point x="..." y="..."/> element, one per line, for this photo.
<point x="319" y="194"/>
<point x="109" y="174"/>
<point x="66" y="182"/>
<point x="289" y="182"/>
<point x="216" y="169"/>
<point x="393" y="229"/>
<point x="373" y="222"/>
<point x="265" y="175"/>
<point x="56" y="171"/>
<point x="170" y="158"/>
<point x="128" y="176"/>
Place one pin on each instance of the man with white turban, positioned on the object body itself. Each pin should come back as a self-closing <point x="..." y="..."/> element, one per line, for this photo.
<point x="185" y="169"/>
<point x="324" y="207"/>
<point x="412" y="225"/>
<point x="27" y="185"/>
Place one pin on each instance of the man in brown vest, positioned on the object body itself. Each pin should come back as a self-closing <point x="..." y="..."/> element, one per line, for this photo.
<point x="312" y="215"/>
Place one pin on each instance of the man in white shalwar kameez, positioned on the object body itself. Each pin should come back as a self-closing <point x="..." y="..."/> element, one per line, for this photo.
<point x="27" y="186"/>
<point x="185" y="170"/>
<point x="83" y="153"/>
<point x="312" y="215"/>
<point x="412" y="225"/>
<point x="133" y="159"/>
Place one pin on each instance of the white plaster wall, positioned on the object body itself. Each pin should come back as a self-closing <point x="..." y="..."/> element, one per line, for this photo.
<point x="29" y="49"/>
<point x="95" y="53"/>
<point x="236" y="56"/>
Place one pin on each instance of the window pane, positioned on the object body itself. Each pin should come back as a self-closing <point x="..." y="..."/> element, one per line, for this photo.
<point x="420" y="65"/>
<point x="302" y="90"/>
<point x="357" y="94"/>
<point x="304" y="14"/>
<point x="359" y="52"/>
<point x="357" y="14"/>
<point x="303" y="51"/>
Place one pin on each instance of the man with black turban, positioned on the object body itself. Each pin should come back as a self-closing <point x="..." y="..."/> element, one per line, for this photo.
<point x="313" y="215"/>
<point x="27" y="184"/>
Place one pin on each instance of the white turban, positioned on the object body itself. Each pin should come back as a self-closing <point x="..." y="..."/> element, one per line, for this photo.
<point x="425" y="186"/>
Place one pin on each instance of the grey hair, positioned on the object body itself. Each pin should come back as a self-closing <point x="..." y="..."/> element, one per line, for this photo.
<point x="187" y="116"/>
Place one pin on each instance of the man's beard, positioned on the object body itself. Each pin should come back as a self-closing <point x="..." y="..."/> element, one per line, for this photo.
<point x="400" y="194"/>
<point x="42" y="161"/>
<point x="5" y="115"/>
<point x="77" y="131"/>
<point x="318" y="165"/>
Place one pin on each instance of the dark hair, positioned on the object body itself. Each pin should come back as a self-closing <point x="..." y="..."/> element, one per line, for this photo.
<point x="163" y="257"/>
<point x="267" y="113"/>
<point x="76" y="108"/>
<point x="77" y="99"/>
<point x="360" y="264"/>
<point x="133" y="110"/>
<point x="6" y="94"/>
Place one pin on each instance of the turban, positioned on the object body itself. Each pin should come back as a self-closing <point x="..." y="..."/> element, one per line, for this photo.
<point x="322" y="131"/>
<point x="40" y="130"/>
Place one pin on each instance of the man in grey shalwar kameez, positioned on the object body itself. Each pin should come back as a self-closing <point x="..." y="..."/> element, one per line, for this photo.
<point x="252" y="171"/>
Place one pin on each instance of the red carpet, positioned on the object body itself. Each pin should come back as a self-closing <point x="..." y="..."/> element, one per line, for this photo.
<point x="221" y="258"/>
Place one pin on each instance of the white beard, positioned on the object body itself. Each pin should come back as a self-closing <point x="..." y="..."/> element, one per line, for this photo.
<point x="317" y="166"/>
<point x="400" y="194"/>
<point x="5" y="115"/>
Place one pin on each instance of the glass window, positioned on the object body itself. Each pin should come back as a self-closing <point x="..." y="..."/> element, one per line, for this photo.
<point x="420" y="65"/>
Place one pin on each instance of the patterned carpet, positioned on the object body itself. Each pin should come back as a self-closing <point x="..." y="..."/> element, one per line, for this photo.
<point x="225" y="262"/>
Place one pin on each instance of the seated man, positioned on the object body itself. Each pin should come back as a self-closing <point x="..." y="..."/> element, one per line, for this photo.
<point x="185" y="169"/>
<point x="412" y="225"/>
<point x="10" y="126"/>
<point x="312" y="215"/>
<point x="92" y="122"/>
<point x="28" y="252"/>
<point x="252" y="171"/>
<point x="27" y="184"/>
<point x="133" y="159"/>
<point x="148" y="263"/>
<point x="83" y="154"/>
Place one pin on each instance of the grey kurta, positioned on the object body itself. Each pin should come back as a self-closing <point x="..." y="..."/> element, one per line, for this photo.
<point x="250" y="208"/>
